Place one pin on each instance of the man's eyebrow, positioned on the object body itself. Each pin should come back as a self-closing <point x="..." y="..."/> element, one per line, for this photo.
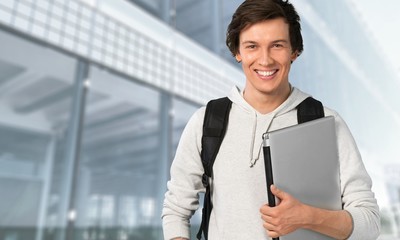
<point x="280" y="41"/>
<point x="275" y="41"/>
<point x="249" y="42"/>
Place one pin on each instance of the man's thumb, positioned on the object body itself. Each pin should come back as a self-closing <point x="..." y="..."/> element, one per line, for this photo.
<point x="277" y="192"/>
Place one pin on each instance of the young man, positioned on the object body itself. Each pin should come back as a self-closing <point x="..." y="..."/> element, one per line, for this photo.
<point x="264" y="35"/>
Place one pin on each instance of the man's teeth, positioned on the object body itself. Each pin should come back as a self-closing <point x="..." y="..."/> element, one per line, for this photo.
<point x="266" y="73"/>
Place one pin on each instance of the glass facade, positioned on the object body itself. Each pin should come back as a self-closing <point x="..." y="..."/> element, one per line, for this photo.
<point x="37" y="91"/>
<point x="92" y="107"/>
<point x="81" y="147"/>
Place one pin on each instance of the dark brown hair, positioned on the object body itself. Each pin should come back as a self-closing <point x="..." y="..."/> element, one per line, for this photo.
<point x="255" y="11"/>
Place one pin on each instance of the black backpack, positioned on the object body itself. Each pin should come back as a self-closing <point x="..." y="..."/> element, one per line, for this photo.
<point x="214" y="127"/>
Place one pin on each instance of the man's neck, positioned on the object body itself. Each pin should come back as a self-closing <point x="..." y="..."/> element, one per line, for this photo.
<point x="265" y="103"/>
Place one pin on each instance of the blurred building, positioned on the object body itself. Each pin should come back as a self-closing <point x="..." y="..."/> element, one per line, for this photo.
<point x="94" y="95"/>
<point x="391" y="213"/>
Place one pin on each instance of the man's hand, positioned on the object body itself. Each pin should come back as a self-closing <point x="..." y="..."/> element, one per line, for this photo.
<point x="289" y="215"/>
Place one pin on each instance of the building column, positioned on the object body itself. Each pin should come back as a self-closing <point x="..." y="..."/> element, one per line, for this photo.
<point x="165" y="145"/>
<point x="47" y="178"/>
<point x="165" y="8"/>
<point x="165" y="123"/>
<point x="216" y="25"/>
<point x="67" y="212"/>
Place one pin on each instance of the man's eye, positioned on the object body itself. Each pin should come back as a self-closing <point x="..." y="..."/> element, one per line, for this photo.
<point x="251" y="46"/>
<point x="277" y="45"/>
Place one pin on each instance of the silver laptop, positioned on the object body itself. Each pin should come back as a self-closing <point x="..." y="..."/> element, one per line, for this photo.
<point x="304" y="163"/>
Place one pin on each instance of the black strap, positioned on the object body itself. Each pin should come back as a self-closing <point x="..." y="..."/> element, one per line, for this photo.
<point x="309" y="109"/>
<point x="214" y="127"/>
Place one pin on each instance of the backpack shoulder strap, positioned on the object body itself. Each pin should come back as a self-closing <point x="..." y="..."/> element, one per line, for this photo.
<point x="214" y="127"/>
<point x="309" y="109"/>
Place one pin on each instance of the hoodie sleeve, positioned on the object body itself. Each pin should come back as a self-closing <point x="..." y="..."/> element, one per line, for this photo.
<point x="357" y="197"/>
<point x="182" y="196"/>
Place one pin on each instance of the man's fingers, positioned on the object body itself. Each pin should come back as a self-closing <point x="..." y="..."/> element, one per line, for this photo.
<point x="271" y="230"/>
<point x="267" y="218"/>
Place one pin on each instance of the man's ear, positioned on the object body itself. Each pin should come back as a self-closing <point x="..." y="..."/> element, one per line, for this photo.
<point x="238" y="57"/>
<point x="294" y="56"/>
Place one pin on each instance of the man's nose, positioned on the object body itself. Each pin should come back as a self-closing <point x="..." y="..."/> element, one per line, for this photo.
<point x="265" y="58"/>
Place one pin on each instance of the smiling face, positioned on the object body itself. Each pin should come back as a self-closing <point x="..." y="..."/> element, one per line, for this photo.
<point x="266" y="56"/>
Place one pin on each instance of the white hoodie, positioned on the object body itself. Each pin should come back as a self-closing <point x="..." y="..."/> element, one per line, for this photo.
<point x="239" y="191"/>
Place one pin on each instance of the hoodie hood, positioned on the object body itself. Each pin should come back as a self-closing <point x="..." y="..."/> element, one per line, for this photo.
<point x="295" y="98"/>
<point x="236" y="96"/>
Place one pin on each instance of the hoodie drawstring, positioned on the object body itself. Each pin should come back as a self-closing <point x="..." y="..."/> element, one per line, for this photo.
<point x="254" y="159"/>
